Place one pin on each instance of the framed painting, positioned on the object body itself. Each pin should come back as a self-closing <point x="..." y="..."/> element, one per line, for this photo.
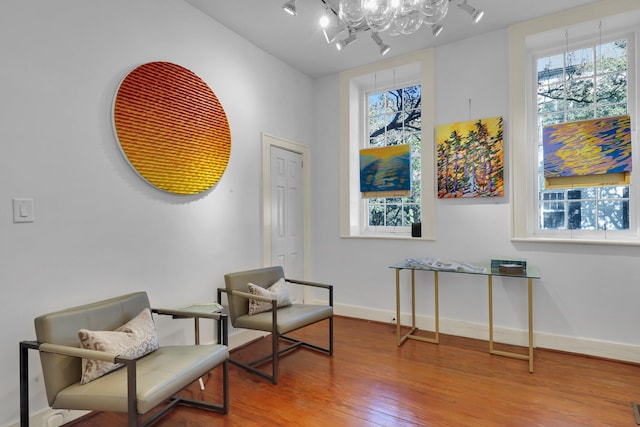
<point x="385" y="171"/>
<point x="470" y="158"/>
<point x="588" y="147"/>
<point x="172" y="128"/>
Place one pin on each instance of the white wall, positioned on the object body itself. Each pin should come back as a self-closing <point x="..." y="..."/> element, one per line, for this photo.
<point x="587" y="298"/>
<point x="101" y="231"/>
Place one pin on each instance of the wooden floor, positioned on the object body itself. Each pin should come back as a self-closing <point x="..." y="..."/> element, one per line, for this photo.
<point x="370" y="381"/>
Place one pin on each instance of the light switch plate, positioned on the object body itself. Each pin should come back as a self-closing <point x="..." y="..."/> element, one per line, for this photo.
<point x="23" y="210"/>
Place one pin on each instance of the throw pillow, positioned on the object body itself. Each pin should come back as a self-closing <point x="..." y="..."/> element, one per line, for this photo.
<point x="278" y="291"/>
<point x="135" y="338"/>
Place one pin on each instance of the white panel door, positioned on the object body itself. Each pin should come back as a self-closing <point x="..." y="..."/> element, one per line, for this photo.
<point x="287" y="235"/>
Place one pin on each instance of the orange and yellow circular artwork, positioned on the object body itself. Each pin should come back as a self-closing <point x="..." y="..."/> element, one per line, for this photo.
<point x="172" y="128"/>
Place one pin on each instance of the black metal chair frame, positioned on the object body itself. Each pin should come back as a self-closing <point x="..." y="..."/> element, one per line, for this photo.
<point x="134" y="418"/>
<point x="275" y="354"/>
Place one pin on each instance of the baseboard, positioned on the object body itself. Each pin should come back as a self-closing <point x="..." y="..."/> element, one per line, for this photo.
<point x="52" y="418"/>
<point x="244" y="336"/>
<point x="590" y="347"/>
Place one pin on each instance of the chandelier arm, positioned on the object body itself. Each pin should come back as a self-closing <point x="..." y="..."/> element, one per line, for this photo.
<point x="330" y="7"/>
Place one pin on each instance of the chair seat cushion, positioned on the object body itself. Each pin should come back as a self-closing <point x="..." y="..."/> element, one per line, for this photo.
<point x="160" y="375"/>
<point x="290" y="318"/>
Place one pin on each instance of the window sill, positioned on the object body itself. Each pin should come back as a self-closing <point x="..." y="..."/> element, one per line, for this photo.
<point x="387" y="237"/>
<point x="579" y="241"/>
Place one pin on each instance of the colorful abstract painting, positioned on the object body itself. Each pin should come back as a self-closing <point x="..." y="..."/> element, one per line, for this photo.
<point x="589" y="147"/>
<point x="470" y="158"/>
<point x="385" y="169"/>
<point x="172" y="128"/>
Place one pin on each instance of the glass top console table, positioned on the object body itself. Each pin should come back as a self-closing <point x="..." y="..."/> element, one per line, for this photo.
<point x="439" y="266"/>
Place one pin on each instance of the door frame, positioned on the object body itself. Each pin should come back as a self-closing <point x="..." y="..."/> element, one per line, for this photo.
<point x="269" y="141"/>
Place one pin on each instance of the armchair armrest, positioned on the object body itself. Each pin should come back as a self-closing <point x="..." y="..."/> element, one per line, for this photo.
<point x="307" y="283"/>
<point x="316" y="285"/>
<point x="247" y="295"/>
<point x="78" y="352"/>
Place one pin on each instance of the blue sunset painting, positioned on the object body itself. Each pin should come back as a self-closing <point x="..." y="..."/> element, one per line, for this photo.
<point x="589" y="147"/>
<point x="385" y="169"/>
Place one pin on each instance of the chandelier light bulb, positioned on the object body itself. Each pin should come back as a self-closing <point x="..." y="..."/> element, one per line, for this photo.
<point x="324" y="21"/>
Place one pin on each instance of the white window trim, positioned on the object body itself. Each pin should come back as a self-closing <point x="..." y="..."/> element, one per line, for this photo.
<point x="523" y="178"/>
<point x="596" y="235"/>
<point x="351" y="132"/>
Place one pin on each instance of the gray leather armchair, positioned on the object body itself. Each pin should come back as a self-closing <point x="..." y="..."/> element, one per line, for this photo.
<point x="279" y="321"/>
<point x="141" y="385"/>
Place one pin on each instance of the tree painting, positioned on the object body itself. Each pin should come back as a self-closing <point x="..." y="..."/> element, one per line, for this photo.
<point x="470" y="159"/>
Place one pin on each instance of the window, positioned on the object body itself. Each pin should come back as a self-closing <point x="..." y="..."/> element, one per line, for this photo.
<point x="553" y="79"/>
<point x="581" y="84"/>
<point x="394" y="118"/>
<point x="388" y="103"/>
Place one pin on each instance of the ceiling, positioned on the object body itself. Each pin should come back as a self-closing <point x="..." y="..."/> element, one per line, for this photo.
<point x="298" y="40"/>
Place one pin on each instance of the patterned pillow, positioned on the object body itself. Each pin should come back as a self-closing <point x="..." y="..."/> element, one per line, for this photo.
<point x="135" y="338"/>
<point x="278" y="291"/>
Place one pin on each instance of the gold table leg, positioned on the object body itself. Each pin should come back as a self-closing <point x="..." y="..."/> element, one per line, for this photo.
<point x="528" y="356"/>
<point x="490" y="314"/>
<point x="409" y="335"/>
<point x="413" y="300"/>
<point x="400" y="339"/>
<point x="530" y="294"/>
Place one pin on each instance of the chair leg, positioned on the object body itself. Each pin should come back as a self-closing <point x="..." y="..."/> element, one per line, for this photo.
<point x="331" y="335"/>
<point x="25" y="346"/>
<point x="275" y="339"/>
<point x="132" y="394"/>
<point x="275" y="352"/>
<point x="225" y="387"/>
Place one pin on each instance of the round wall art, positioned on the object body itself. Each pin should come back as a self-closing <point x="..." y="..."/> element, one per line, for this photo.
<point x="171" y="127"/>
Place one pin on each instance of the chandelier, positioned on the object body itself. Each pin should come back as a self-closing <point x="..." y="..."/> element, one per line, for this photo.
<point x="394" y="16"/>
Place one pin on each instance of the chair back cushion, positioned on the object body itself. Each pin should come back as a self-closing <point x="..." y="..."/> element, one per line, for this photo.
<point x="61" y="327"/>
<point x="238" y="281"/>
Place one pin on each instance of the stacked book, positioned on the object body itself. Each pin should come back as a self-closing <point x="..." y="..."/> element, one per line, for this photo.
<point x="509" y="266"/>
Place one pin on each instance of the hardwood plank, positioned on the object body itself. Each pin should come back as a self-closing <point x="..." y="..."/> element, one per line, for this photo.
<point x="371" y="382"/>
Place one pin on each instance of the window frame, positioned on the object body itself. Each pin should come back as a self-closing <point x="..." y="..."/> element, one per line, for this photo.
<point x="353" y="85"/>
<point x="365" y="208"/>
<point x="523" y="137"/>
<point x="588" y="42"/>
